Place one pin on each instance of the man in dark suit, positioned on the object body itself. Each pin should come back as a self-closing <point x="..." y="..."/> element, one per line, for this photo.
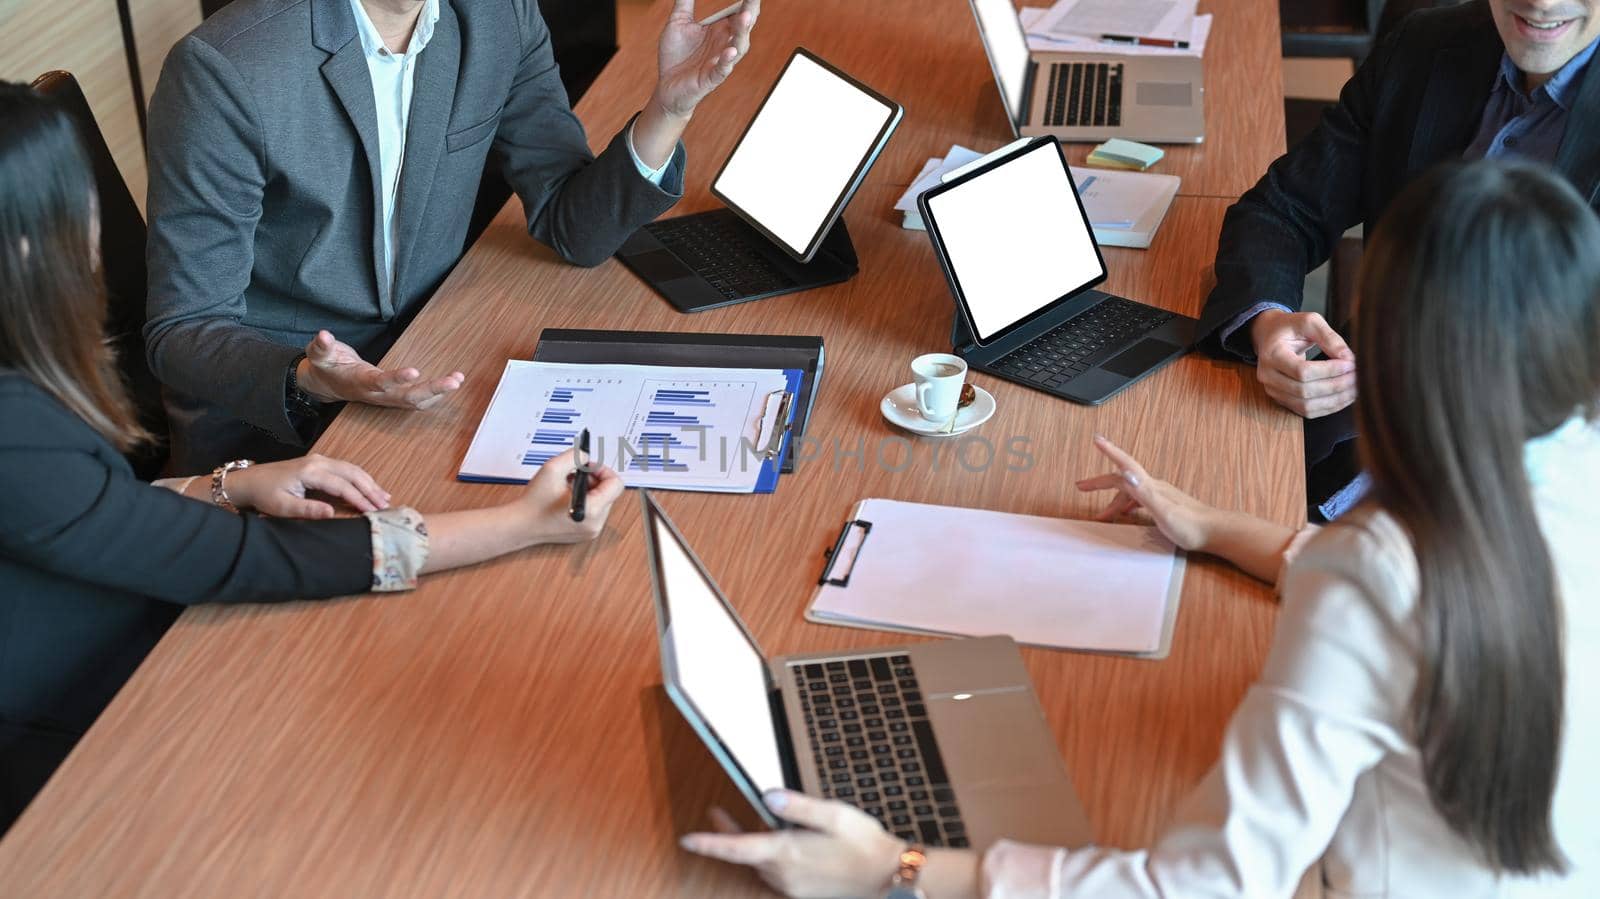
<point x="1490" y="78"/>
<point x="313" y="170"/>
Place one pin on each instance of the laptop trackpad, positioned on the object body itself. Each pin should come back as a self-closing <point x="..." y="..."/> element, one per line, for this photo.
<point x="658" y="266"/>
<point x="1139" y="358"/>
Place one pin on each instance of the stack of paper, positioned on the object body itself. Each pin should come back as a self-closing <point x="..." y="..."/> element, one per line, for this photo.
<point x="1165" y="23"/>
<point x="1125" y="154"/>
<point x="709" y="429"/>
<point x="1125" y="208"/>
<point x="969" y="572"/>
<point x="932" y="171"/>
<point x="1034" y="17"/>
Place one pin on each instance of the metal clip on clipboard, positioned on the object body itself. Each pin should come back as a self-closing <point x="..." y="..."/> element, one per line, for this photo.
<point x="782" y="424"/>
<point x="833" y="555"/>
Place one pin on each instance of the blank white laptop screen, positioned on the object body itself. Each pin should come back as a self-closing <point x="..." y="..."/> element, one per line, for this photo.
<point x="802" y="153"/>
<point x="719" y="672"/>
<point x="1016" y="239"/>
<point x="1007" y="47"/>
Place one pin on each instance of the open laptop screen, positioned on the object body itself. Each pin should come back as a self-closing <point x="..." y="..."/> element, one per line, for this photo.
<point x="711" y="664"/>
<point x="804" y="154"/>
<point x="1014" y="239"/>
<point x="1007" y="46"/>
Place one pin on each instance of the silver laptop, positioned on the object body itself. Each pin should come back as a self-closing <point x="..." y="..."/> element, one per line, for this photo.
<point x="943" y="742"/>
<point x="1090" y="96"/>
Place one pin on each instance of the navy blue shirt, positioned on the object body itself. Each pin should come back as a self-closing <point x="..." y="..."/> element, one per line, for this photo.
<point x="1529" y="126"/>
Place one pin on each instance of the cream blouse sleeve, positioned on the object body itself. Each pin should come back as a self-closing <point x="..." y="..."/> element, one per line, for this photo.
<point x="1328" y="706"/>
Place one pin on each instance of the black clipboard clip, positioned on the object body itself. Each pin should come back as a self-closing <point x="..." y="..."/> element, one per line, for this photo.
<point x="832" y="555"/>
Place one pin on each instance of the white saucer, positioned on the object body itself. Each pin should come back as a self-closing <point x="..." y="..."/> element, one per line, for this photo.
<point x="900" y="408"/>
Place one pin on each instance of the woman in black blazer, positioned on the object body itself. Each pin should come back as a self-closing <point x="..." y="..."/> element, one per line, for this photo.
<point x="94" y="563"/>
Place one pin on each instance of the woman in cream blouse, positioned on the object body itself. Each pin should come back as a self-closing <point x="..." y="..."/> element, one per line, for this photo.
<point x="1427" y="722"/>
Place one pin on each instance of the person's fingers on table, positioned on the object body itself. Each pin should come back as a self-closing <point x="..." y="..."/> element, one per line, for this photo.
<point x="429" y="394"/>
<point x="335" y="484"/>
<point x="1124" y="462"/>
<point x="297" y="507"/>
<point x="1118" y="508"/>
<point x="1108" y="481"/>
<point x="388" y="379"/>
<point x="739" y="849"/>
<point x="364" y="482"/>
<point x="358" y="480"/>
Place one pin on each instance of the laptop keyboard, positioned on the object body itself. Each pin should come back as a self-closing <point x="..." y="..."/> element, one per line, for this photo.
<point x="875" y="749"/>
<point x="719" y="250"/>
<point x="1084" y="94"/>
<point x="1078" y="344"/>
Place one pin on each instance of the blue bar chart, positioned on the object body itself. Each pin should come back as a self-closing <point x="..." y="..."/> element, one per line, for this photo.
<point x="692" y="429"/>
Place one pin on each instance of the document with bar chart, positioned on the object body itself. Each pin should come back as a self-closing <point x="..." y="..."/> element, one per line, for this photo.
<point x="708" y="429"/>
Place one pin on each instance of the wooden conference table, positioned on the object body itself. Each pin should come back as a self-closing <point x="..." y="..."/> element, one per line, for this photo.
<point x="501" y="731"/>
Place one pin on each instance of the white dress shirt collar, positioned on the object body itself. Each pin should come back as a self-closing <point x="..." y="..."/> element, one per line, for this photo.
<point x="372" y="43"/>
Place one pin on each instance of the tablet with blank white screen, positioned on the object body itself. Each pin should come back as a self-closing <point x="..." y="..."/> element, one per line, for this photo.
<point x="1015" y="238"/>
<point x="804" y="154"/>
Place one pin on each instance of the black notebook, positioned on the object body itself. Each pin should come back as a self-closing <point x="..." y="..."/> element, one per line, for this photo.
<point x="789" y="352"/>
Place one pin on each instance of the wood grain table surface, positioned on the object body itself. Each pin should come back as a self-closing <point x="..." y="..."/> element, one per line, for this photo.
<point x="501" y="731"/>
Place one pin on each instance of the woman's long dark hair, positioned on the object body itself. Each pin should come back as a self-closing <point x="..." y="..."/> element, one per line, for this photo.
<point x="52" y="301"/>
<point x="1478" y="329"/>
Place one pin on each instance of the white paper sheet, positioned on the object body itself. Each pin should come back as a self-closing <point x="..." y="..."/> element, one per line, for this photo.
<point x="931" y="172"/>
<point x="1047" y="43"/>
<point x="658" y="426"/>
<point x="1167" y="20"/>
<point x="1043" y="581"/>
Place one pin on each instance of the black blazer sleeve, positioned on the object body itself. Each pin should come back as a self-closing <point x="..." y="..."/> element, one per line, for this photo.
<point x="1288" y="223"/>
<point x="71" y="507"/>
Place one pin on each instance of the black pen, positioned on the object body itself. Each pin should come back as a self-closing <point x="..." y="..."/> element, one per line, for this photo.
<point x="580" y="476"/>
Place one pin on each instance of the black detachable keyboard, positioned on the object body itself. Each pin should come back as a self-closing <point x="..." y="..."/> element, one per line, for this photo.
<point x="1084" y="94"/>
<point x="875" y="748"/>
<point x="1081" y="342"/>
<point x="721" y="252"/>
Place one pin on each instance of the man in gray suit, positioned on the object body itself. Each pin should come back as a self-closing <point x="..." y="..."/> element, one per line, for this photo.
<point x="313" y="169"/>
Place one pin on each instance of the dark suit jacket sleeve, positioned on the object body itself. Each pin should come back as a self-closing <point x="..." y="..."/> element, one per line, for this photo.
<point x="1289" y="222"/>
<point x="207" y="177"/>
<point x="582" y="206"/>
<point x="68" y="509"/>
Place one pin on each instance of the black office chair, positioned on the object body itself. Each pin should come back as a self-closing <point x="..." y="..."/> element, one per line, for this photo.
<point x="122" y="238"/>
<point x="1329" y="28"/>
<point x="583" y="36"/>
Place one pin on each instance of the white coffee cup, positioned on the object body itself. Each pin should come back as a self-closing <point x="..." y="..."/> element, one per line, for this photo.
<point x="939" y="377"/>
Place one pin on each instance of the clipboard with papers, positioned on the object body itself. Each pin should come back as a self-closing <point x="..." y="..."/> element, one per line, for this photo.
<point x="717" y="430"/>
<point x="1049" y="582"/>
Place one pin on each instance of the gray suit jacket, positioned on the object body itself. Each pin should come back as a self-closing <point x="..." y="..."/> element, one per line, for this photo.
<point x="265" y="223"/>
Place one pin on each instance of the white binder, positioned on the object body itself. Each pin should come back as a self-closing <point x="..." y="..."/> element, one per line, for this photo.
<point x="1081" y="585"/>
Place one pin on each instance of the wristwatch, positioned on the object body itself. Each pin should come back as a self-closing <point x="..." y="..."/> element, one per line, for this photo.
<point x="219" y="494"/>
<point x="303" y="409"/>
<point x="904" y="884"/>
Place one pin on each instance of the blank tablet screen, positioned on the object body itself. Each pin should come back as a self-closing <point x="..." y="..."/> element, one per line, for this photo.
<point x="720" y="673"/>
<point x="1015" y="239"/>
<point x="801" y="155"/>
<point x="1008" y="50"/>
